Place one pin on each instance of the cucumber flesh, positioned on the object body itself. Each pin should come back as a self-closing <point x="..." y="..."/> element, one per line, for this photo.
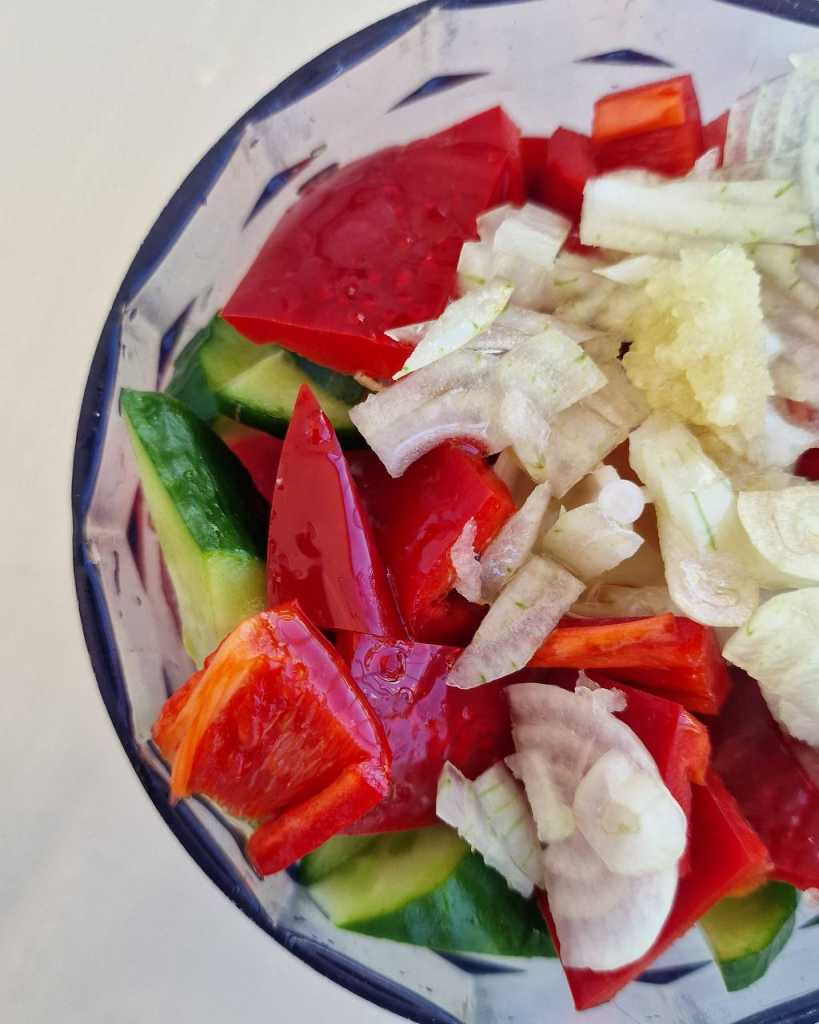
<point x="329" y="857"/>
<point x="747" y="933"/>
<point x="425" y="887"/>
<point x="221" y="372"/>
<point x="208" y="517"/>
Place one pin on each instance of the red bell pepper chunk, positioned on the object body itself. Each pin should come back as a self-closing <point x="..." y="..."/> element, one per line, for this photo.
<point x="726" y="854"/>
<point x="426" y="723"/>
<point x="375" y="245"/>
<point x="534" y="150"/>
<point x="320" y="548"/>
<point x="417" y="519"/>
<point x="772" y="779"/>
<point x="493" y="128"/>
<point x="673" y="655"/>
<point x="807" y="465"/>
<point x="274" y="729"/>
<point x="656" y="127"/>
<point x="569" y="164"/>
<point x="258" y="452"/>
<point x="714" y="134"/>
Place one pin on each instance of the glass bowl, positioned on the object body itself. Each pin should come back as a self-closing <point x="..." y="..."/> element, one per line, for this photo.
<point x="406" y="76"/>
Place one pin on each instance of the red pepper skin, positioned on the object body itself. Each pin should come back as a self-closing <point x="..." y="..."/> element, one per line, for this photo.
<point x="668" y="144"/>
<point x="714" y="134"/>
<point x="258" y="452"/>
<point x="772" y="779"/>
<point x="375" y="245"/>
<point x="426" y="723"/>
<point x="274" y="729"/>
<point x="321" y="550"/>
<point x="726" y="854"/>
<point x="807" y="464"/>
<point x="670" y="654"/>
<point x="534" y="150"/>
<point x="569" y="164"/>
<point x="418" y="517"/>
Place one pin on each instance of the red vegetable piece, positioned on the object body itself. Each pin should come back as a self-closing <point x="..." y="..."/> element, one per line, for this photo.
<point x="375" y="245"/>
<point x="771" y="777"/>
<point x="258" y="452"/>
<point x="714" y="134"/>
<point x="673" y="655"/>
<point x="494" y="128"/>
<point x="656" y="127"/>
<point x="274" y="729"/>
<point x="726" y="854"/>
<point x="569" y="165"/>
<point x="807" y="464"/>
<point x="417" y="519"/>
<point x="426" y="722"/>
<point x="534" y="150"/>
<point x="321" y="549"/>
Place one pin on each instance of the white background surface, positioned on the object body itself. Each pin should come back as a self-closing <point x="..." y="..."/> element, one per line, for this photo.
<point x="105" y="106"/>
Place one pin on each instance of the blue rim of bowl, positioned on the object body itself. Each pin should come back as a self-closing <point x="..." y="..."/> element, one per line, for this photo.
<point x="91" y="429"/>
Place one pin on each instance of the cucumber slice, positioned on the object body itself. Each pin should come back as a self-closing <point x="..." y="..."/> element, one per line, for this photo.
<point x="221" y="372"/>
<point x="425" y="887"/>
<point x="208" y="516"/>
<point x="748" y="933"/>
<point x="327" y="858"/>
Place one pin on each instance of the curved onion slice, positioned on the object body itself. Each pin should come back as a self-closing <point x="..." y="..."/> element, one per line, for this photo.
<point x="465" y="563"/>
<point x="460" y="804"/>
<point x="611" y="600"/>
<point x="554" y="817"/>
<point x="590" y="543"/>
<point x="524" y="614"/>
<point x="628" y="816"/>
<point x="514" y="544"/>
<point x="778" y="647"/>
<point x="505" y="805"/>
<point x="459" y="323"/>
<point x="784" y="527"/>
<point x="508" y="468"/>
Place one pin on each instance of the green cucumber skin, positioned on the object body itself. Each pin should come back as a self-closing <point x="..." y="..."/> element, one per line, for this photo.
<point x="331" y="856"/>
<point x="777" y="901"/>
<point x="208" y="398"/>
<point x="473" y="911"/>
<point x="204" y="480"/>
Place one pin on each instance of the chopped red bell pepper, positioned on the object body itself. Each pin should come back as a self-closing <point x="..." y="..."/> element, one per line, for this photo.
<point x="770" y="776"/>
<point x="714" y="134"/>
<point x="726" y="854"/>
<point x="258" y="452"/>
<point x="534" y="150"/>
<point x="418" y="517"/>
<point x="493" y="127"/>
<point x="569" y="165"/>
<point x="673" y="655"/>
<point x="320" y="549"/>
<point x="375" y="245"/>
<point x="656" y="127"/>
<point x="426" y="722"/>
<point x="274" y="729"/>
<point x="807" y="465"/>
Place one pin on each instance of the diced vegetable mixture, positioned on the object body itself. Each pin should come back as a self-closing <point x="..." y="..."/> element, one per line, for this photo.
<point x="490" y="506"/>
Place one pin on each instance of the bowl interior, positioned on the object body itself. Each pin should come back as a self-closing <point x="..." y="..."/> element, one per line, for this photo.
<point x="407" y="76"/>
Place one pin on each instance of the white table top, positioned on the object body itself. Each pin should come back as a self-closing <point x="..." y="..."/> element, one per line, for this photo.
<point x="105" y="108"/>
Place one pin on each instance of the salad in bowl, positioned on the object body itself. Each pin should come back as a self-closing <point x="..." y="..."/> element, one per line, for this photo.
<point x="489" y="516"/>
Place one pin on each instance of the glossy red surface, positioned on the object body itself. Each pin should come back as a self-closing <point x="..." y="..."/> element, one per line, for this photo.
<point x="534" y="150"/>
<point x="258" y="452"/>
<point x="375" y="245"/>
<point x="294" y="726"/>
<point x="418" y="517"/>
<point x="774" y="781"/>
<point x="321" y="549"/>
<point x="808" y="464"/>
<point x="725" y="854"/>
<point x="714" y="133"/>
<point x="569" y="165"/>
<point x="426" y="723"/>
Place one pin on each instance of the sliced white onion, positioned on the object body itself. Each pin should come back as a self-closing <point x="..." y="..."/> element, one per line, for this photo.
<point x="784" y="527"/>
<point x="514" y="543"/>
<point x="411" y="333"/>
<point x="459" y="805"/>
<point x="460" y="322"/>
<point x="533" y="234"/>
<point x="609" y="600"/>
<point x="489" y="221"/>
<point x="588" y="542"/>
<point x="507" y="468"/>
<point x="553" y="816"/>
<point x="465" y="563"/>
<point x="525" y="612"/>
<point x="778" y="647"/>
<point x="634" y="270"/>
<point x="507" y="808"/>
